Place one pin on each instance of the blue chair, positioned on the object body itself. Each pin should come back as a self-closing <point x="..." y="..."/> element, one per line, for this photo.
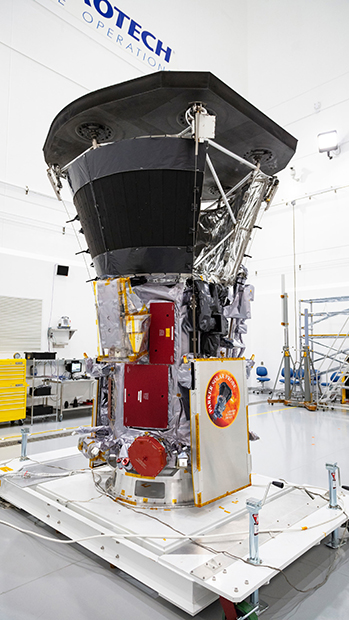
<point x="315" y="376"/>
<point x="333" y="379"/>
<point x="262" y="377"/>
<point x="283" y="375"/>
<point x="299" y="374"/>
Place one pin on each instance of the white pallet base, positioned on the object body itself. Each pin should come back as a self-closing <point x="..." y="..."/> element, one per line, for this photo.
<point x="180" y="571"/>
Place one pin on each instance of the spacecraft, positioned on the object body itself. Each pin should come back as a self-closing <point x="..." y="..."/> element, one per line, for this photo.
<point x="169" y="173"/>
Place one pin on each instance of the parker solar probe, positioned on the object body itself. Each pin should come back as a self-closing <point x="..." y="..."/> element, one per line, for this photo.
<point x="169" y="173"/>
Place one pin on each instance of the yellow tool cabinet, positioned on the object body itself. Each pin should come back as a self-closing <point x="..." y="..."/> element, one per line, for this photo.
<point x="13" y="390"/>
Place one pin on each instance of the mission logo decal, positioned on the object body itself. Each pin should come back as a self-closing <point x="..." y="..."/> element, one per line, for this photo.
<point x="222" y="399"/>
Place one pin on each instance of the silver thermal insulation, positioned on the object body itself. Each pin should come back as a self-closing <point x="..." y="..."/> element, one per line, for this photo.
<point x="221" y="243"/>
<point x="113" y="299"/>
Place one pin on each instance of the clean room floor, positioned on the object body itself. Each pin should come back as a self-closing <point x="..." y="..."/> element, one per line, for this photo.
<point x="40" y="579"/>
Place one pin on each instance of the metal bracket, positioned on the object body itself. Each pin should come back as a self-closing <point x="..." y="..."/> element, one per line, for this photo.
<point x="215" y="565"/>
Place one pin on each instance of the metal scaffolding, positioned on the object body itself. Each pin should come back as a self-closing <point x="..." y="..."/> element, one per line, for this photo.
<point x="328" y="347"/>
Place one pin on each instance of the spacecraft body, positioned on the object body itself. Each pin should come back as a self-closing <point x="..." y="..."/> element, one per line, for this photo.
<point x="169" y="173"/>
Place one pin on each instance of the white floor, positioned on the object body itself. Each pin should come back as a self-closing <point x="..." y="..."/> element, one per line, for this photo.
<point x="39" y="579"/>
<point x="44" y="435"/>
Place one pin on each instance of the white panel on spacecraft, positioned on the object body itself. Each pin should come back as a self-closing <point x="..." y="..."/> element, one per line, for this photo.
<point x="221" y="461"/>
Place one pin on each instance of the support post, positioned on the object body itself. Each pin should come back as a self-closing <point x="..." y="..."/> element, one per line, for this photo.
<point x="306" y="360"/>
<point x="333" y="469"/>
<point x="253" y="506"/>
<point x="332" y="481"/>
<point x="307" y="387"/>
<point x="287" y="374"/>
<point x="254" y="598"/>
<point x="286" y="349"/>
<point x="306" y="328"/>
<point x="221" y="190"/>
<point x="25" y="432"/>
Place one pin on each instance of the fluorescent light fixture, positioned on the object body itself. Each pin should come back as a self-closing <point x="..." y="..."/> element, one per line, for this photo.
<point x="328" y="141"/>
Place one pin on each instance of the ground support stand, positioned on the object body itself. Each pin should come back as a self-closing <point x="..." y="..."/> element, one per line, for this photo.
<point x="191" y="569"/>
<point x="304" y="376"/>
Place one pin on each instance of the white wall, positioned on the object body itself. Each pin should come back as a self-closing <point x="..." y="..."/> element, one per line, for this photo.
<point x="301" y="67"/>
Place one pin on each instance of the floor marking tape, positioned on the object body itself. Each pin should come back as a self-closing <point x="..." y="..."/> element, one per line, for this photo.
<point x="270" y="411"/>
<point x="49" y="430"/>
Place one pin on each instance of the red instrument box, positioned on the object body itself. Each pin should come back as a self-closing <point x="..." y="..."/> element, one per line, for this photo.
<point x="146" y="396"/>
<point x="161" y="333"/>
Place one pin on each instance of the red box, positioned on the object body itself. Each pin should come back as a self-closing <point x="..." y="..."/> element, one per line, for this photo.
<point x="161" y="333"/>
<point x="146" y="396"/>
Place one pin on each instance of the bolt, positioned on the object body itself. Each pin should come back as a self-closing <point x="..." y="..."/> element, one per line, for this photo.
<point x="236" y="589"/>
<point x="117" y="556"/>
<point x="204" y="577"/>
<point x="224" y="570"/>
<point x="102" y="548"/>
<point x="47" y="516"/>
<point x="213" y="578"/>
<point x="58" y="522"/>
<point x="246" y="582"/>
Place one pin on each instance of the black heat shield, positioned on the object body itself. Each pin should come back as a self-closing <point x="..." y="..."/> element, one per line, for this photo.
<point x="135" y="196"/>
<point x="135" y="202"/>
<point x="155" y="104"/>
